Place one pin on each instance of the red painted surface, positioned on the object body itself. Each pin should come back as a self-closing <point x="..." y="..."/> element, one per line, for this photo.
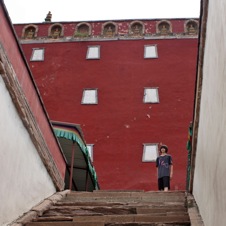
<point x="120" y="123"/>
<point x="11" y="47"/>
<point x="123" y="27"/>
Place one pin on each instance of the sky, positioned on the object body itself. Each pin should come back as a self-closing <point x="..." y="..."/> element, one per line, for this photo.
<point x="35" y="11"/>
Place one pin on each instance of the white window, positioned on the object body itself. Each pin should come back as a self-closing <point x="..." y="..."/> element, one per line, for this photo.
<point x="37" y="55"/>
<point x="93" y="52"/>
<point x="90" y="150"/>
<point x="89" y="96"/>
<point x="150" y="51"/>
<point x="150" y="152"/>
<point x="151" y="95"/>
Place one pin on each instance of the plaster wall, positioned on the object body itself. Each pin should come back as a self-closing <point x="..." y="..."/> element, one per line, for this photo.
<point x="10" y="47"/>
<point x="24" y="179"/>
<point x="209" y="178"/>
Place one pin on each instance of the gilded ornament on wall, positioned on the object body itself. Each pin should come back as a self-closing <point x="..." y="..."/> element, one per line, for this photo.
<point x="109" y="30"/>
<point x="192" y="28"/>
<point x="55" y="32"/>
<point x="30" y="33"/>
<point x="164" y="28"/>
<point x="136" y="29"/>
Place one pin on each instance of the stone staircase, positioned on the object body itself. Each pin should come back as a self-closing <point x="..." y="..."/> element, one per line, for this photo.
<point x="124" y="208"/>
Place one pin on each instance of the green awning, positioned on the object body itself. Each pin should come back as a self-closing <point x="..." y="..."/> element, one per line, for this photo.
<point x="73" y="134"/>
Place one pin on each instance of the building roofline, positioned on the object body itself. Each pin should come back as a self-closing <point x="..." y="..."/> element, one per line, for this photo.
<point x="106" y="20"/>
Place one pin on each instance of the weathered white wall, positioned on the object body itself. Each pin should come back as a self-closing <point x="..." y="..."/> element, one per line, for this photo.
<point x="23" y="177"/>
<point x="210" y="167"/>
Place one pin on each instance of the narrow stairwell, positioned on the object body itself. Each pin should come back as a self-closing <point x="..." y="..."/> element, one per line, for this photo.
<point x="114" y="208"/>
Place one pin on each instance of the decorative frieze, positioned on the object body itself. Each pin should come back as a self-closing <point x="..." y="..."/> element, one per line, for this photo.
<point x="111" y="31"/>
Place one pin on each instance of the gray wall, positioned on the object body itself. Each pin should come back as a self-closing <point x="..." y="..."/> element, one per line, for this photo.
<point x="209" y="187"/>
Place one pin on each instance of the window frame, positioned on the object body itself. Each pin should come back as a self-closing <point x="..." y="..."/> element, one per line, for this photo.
<point x="145" y="150"/>
<point x="145" y="52"/>
<point x="157" y="95"/>
<point x="96" y="96"/>
<point x="95" y="57"/>
<point x="42" y="54"/>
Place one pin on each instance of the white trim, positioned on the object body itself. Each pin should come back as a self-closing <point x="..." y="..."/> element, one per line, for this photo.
<point x="90" y="96"/>
<point x="151" y="95"/>
<point x="150" y="51"/>
<point x="150" y="152"/>
<point x="93" y="52"/>
<point x="37" y="54"/>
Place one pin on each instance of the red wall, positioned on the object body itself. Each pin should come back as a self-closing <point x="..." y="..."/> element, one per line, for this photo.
<point x="15" y="57"/>
<point x="120" y="123"/>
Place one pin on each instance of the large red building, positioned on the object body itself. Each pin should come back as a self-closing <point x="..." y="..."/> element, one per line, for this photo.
<point x="129" y="84"/>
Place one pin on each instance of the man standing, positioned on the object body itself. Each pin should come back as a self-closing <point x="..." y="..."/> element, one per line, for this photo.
<point x="164" y="166"/>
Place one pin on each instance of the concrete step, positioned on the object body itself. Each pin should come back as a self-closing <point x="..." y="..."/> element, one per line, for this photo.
<point x="150" y="210"/>
<point x="63" y="223"/>
<point x="106" y="210"/>
<point x="125" y="197"/>
<point x="89" y="210"/>
<point x="151" y="218"/>
<point x="113" y="194"/>
<point x="158" y="218"/>
<point x="105" y="224"/>
<point x="115" y="208"/>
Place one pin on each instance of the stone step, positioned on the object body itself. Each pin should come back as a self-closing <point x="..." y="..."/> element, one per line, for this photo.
<point x="68" y="215"/>
<point x="126" y="199"/>
<point x="117" y="208"/>
<point x="120" y="204"/>
<point x="117" y="190"/>
<point x="148" y="224"/>
<point x="101" y="201"/>
<point x="151" y="218"/>
<point x="112" y="194"/>
<point x="63" y="223"/>
<point x="105" y="224"/>
<point x="174" y="218"/>
<point x="106" y="210"/>
<point x="89" y="210"/>
<point x="150" y="210"/>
